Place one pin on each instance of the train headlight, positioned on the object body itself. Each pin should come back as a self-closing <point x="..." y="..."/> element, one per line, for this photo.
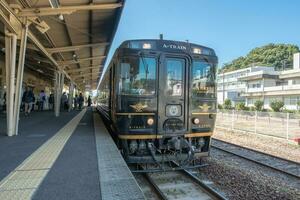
<point x="197" y="51"/>
<point x="150" y="121"/>
<point x="196" y="121"/>
<point x="146" y="46"/>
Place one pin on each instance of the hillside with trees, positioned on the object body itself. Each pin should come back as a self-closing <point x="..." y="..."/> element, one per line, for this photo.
<point x="277" y="55"/>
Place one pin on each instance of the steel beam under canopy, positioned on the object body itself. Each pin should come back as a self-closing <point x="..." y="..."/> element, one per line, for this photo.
<point x="71" y="62"/>
<point x="84" y="69"/>
<point x="75" y="47"/>
<point x="48" y="11"/>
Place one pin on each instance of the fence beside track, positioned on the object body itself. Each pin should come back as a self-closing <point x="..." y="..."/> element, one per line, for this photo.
<point x="275" y="124"/>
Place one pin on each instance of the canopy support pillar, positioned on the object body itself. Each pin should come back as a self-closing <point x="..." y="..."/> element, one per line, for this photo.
<point x="10" y="64"/>
<point x="20" y="74"/>
<point x="71" y="94"/>
<point x="59" y="83"/>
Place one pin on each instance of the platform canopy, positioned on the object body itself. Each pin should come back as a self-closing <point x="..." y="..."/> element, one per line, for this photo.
<point x="73" y="36"/>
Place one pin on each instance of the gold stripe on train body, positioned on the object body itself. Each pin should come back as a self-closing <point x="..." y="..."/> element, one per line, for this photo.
<point x="134" y="113"/>
<point x="141" y="137"/>
<point x="201" y="134"/>
<point x="204" y="113"/>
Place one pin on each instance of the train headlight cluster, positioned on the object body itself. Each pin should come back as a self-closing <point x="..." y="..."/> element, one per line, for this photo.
<point x="196" y="121"/>
<point x="150" y="121"/>
<point x="197" y="51"/>
<point x="146" y="46"/>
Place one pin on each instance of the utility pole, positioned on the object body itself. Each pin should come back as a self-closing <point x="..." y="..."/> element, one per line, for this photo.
<point x="223" y="87"/>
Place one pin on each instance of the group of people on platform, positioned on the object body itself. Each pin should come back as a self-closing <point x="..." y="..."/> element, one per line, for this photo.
<point x="31" y="102"/>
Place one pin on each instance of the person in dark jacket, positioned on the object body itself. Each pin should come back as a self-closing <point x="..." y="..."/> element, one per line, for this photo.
<point x="64" y="101"/>
<point x="28" y="100"/>
<point x="4" y="102"/>
<point x="51" y="101"/>
<point x="80" y="101"/>
<point x="42" y="99"/>
<point x="89" y="101"/>
<point x="76" y="102"/>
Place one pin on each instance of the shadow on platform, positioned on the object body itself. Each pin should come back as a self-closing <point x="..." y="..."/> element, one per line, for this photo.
<point x="34" y="130"/>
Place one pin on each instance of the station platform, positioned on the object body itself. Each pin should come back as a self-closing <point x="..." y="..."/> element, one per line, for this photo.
<point x="66" y="157"/>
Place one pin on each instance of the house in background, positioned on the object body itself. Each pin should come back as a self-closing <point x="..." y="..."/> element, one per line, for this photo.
<point x="230" y="86"/>
<point x="284" y="87"/>
<point x="261" y="83"/>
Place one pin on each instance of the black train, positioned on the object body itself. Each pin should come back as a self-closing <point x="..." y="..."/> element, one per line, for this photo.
<point x="159" y="97"/>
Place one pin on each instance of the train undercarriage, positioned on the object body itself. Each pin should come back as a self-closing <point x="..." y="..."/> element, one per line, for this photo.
<point x="184" y="151"/>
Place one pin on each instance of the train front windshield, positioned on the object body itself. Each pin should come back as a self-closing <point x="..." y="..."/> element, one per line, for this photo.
<point x="203" y="86"/>
<point x="137" y="76"/>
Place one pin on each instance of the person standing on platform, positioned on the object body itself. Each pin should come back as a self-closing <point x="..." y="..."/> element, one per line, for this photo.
<point x="42" y="99"/>
<point x="75" y="102"/>
<point x="64" y="101"/>
<point x="80" y="101"/>
<point x="28" y="100"/>
<point x="51" y="101"/>
<point x="4" y="102"/>
<point x="89" y="101"/>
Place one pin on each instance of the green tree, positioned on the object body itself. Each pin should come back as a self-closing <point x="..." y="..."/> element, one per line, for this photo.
<point x="227" y="104"/>
<point x="277" y="105"/>
<point x="277" y="55"/>
<point x="259" y="105"/>
<point x="240" y="106"/>
<point x="220" y="106"/>
<point x="298" y="105"/>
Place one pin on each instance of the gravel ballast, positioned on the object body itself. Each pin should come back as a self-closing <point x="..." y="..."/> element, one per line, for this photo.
<point x="273" y="146"/>
<point x="239" y="179"/>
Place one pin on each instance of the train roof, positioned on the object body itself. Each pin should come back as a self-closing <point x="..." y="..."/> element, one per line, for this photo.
<point x="167" y="46"/>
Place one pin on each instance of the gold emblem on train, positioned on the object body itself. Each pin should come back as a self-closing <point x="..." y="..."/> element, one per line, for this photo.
<point x="205" y="107"/>
<point x="139" y="107"/>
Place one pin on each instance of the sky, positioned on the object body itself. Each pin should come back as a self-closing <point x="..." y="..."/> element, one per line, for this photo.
<point x="231" y="27"/>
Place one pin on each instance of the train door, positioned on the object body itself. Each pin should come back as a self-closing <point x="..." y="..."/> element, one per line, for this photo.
<point x="172" y="96"/>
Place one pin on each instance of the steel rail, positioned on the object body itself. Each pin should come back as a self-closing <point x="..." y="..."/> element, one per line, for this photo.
<point x="256" y="161"/>
<point x="158" y="191"/>
<point x="209" y="190"/>
<point x="204" y="187"/>
<point x="212" y="192"/>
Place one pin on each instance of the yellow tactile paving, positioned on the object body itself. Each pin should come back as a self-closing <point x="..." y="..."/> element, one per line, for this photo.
<point x="16" y="194"/>
<point x="21" y="183"/>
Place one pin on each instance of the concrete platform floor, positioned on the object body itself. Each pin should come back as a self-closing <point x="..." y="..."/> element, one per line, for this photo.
<point x="33" y="132"/>
<point x="74" y="173"/>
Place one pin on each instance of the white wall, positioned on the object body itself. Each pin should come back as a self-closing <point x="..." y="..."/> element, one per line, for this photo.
<point x="220" y="97"/>
<point x="270" y="83"/>
<point x="296" y="61"/>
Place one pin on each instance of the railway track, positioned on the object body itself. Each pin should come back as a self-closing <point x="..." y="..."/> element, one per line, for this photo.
<point x="180" y="184"/>
<point x="282" y="165"/>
